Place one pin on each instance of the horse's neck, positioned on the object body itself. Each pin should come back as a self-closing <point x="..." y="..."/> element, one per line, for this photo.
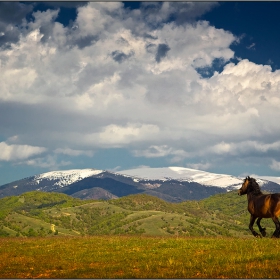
<point x="249" y="196"/>
<point x="254" y="189"/>
<point x="252" y="195"/>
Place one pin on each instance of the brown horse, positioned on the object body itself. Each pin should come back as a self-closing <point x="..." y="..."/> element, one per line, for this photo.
<point x="261" y="206"/>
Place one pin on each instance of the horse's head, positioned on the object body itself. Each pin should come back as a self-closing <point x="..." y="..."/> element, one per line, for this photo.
<point x="244" y="188"/>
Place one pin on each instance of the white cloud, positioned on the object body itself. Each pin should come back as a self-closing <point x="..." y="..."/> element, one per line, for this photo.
<point x="275" y="165"/>
<point x="115" y="135"/>
<point x="50" y="162"/>
<point x="244" y="148"/>
<point x="18" y="152"/>
<point x="153" y="151"/>
<point x="115" y="169"/>
<point x="160" y="151"/>
<point x="98" y="84"/>
<point x="199" y="166"/>
<point x="252" y="46"/>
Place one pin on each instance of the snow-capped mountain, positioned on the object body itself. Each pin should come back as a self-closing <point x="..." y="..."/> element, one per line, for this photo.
<point x="172" y="184"/>
<point x="66" y="177"/>
<point x="268" y="178"/>
<point x="190" y="175"/>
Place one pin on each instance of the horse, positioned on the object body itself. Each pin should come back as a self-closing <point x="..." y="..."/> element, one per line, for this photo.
<point x="261" y="206"/>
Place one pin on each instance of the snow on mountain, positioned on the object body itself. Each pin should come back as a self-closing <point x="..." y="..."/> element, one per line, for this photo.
<point x="269" y="178"/>
<point x="67" y="177"/>
<point x="186" y="174"/>
<point x="165" y="173"/>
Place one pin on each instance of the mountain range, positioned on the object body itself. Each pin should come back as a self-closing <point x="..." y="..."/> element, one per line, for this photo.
<point x="172" y="184"/>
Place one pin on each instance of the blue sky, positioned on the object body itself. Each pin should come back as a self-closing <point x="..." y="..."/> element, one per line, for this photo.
<point x="115" y="86"/>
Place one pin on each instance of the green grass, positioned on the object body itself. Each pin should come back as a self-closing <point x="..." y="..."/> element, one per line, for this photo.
<point x="139" y="257"/>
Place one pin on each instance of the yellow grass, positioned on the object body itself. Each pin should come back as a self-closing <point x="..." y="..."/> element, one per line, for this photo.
<point x="139" y="257"/>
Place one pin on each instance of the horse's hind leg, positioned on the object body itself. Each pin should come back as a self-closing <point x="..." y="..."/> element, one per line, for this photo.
<point x="252" y="220"/>
<point x="262" y="230"/>
<point x="276" y="233"/>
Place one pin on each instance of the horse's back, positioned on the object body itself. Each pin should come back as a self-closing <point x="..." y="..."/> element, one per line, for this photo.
<point x="265" y="205"/>
<point x="275" y="196"/>
<point x="275" y="204"/>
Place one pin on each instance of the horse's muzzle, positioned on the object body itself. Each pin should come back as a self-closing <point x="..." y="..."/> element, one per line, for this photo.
<point x="239" y="192"/>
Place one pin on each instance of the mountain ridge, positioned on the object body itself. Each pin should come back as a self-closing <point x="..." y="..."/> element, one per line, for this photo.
<point x="173" y="184"/>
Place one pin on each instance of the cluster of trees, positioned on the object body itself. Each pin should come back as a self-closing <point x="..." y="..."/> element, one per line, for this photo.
<point x="96" y="221"/>
<point x="90" y="220"/>
<point x="144" y="202"/>
<point x="24" y="229"/>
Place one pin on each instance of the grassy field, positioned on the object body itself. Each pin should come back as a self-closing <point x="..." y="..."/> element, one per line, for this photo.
<point x="139" y="257"/>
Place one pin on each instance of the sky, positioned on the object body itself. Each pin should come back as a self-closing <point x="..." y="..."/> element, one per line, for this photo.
<point x="121" y="85"/>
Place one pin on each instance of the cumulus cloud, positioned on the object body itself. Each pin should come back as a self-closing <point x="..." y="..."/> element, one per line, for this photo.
<point x="18" y="152"/>
<point x="129" y="78"/>
<point x="156" y="13"/>
<point x="11" y="14"/>
<point x="245" y="148"/>
<point x="119" y="135"/>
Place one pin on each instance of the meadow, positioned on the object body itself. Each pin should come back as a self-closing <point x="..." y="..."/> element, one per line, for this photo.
<point x="139" y="257"/>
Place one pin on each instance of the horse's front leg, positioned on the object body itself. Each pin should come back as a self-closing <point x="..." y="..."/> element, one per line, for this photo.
<point x="252" y="221"/>
<point x="277" y="225"/>
<point x="262" y="230"/>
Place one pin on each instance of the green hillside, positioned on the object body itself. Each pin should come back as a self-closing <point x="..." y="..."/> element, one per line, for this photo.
<point x="47" y="214"/>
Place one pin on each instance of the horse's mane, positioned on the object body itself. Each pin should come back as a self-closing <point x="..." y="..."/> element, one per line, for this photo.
<point x="254" y="186"/>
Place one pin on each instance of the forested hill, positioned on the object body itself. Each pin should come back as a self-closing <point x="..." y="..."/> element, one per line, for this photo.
<point x="47" y="214"/>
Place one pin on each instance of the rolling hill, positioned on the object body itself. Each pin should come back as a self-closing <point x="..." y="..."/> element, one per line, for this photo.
<point x="39" y="213"/>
